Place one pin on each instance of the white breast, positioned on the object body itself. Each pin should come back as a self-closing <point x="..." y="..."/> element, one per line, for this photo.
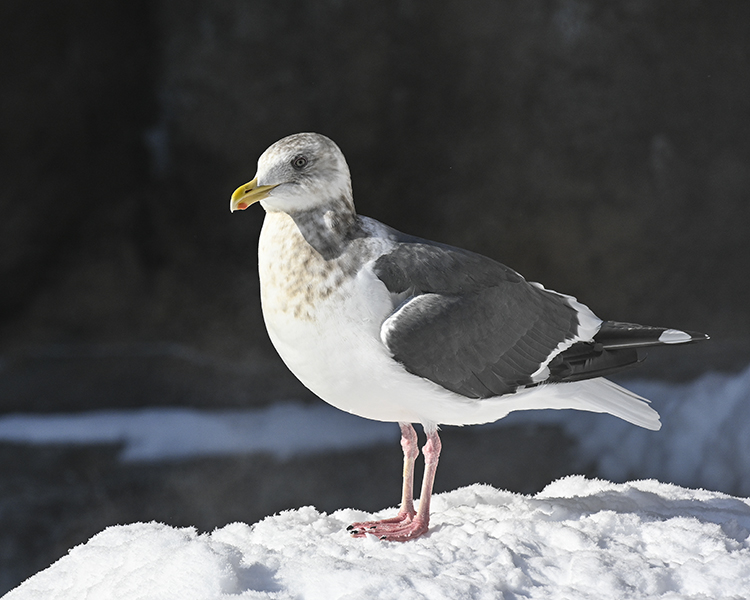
<point x="326" y="327"/>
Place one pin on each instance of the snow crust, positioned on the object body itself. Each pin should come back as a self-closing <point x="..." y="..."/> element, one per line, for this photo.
<point x="577" y="538"/>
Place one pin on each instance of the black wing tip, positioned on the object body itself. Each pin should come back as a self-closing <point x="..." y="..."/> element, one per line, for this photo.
<point x="615" y="347"/>
<point x="613" y="335"/>
<point x="587" y="360"/>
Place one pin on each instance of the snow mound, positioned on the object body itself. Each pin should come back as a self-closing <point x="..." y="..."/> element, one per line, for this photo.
<point x="578" y="538"/>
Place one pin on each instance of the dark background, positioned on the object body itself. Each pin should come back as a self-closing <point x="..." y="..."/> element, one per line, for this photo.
<point x="600" y="148"/>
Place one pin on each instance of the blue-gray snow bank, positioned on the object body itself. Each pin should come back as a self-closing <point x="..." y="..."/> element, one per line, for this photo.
<point x="578" y="538"/>
<point x="704" y="441"/>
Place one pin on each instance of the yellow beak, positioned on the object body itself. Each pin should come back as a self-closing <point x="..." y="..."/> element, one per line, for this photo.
<point x="248" y="194"/>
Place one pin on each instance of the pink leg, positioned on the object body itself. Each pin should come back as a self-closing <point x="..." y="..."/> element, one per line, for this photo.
<point x="411" y="451"/>
<point x="407" y="512"/>
<point x="407" y="524"/>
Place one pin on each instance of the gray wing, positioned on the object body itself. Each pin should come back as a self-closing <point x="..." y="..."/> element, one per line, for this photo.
<point x="468" y="323"/>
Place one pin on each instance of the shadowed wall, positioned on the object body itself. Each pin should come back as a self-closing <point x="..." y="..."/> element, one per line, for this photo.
<point x="600" y="149"/>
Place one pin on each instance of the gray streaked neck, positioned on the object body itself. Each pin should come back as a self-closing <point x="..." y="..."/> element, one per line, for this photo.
<point x="329" y="229"/>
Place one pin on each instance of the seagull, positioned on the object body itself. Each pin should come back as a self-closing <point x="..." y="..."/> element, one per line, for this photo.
<point x="396" y="328"/>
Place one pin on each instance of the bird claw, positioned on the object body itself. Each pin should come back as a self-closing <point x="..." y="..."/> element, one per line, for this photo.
<point x="403" y="527"/>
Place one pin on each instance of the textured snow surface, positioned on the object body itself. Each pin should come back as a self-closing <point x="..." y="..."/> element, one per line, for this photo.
<point x="578" y="538"/>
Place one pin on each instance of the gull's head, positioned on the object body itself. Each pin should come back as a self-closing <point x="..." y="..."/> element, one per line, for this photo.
<point x="300" y="172"/>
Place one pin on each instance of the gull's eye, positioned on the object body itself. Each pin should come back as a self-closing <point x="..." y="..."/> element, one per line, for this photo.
<point x="298" y="162"/>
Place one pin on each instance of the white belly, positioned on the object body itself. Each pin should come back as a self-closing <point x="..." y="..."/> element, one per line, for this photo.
<point x="334" y="354"/>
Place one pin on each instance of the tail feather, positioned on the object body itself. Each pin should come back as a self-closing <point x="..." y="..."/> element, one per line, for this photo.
<point x="601" y="395"/>
<point x="594" y="395"/>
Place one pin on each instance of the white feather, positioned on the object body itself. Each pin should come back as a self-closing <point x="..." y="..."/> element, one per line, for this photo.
<point x="588" y="326"/>
<point x="674" y="336"/>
